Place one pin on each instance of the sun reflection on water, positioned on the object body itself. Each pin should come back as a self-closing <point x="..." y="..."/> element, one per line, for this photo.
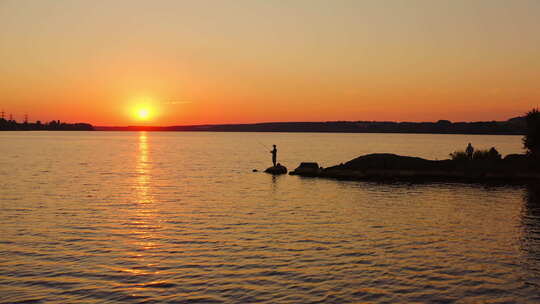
<point x="144" y="217"/>
<point x="143" y="171"/>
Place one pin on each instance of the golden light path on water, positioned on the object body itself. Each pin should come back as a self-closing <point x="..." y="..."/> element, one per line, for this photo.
<point x="143" y="220"/>
<point x="146" y="220"/>
<point x="143" y="171"/>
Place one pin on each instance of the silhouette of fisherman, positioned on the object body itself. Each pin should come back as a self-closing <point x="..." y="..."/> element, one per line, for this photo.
<point x="469" y="150"/>
<point x="274" y="155"/>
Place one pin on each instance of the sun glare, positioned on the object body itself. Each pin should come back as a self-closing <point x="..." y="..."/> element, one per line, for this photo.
<point x="143" y="109"/>
<point x="143" y="113"/>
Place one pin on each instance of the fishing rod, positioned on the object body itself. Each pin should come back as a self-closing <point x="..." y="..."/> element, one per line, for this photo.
<point x="265" y="147"/>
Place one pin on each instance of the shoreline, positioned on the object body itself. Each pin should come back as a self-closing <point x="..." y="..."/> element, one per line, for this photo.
<point x="513" y="169"/>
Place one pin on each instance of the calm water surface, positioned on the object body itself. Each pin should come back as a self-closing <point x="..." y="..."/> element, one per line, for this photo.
<point x="105" y="217"/>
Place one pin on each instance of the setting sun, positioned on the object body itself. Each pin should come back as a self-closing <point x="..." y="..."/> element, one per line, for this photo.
<point x="143" y="108"/>
<point x="143" y="113"/>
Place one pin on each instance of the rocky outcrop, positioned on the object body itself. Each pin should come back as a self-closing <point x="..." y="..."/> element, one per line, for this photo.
<point x="307" y="169"/>
<point x="276" y="170"/>
<point x="396" y="167"/>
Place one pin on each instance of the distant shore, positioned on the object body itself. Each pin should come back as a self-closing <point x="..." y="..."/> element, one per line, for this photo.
<point x="514" y="126"/>
<point x="55" y="125"/>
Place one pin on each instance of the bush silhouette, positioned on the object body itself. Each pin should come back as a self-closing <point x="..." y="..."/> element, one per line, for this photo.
<point x="459" y="156"/>
<point x="494" y="154"/>
<point x="480" y="155"/>
<point x="491" y="154"/>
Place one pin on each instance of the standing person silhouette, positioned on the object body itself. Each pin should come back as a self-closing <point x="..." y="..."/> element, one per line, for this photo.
<point x="274" y="155"/>
<point x="469" y="150"/>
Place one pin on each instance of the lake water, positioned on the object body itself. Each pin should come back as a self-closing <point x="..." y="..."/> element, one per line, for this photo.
<point x="128" y="217"/>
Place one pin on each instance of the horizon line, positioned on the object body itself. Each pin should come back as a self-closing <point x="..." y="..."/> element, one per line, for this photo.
<point x="282" y="122"/>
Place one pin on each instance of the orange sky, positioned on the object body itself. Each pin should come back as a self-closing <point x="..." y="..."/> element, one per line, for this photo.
<point x="195" y="62"/>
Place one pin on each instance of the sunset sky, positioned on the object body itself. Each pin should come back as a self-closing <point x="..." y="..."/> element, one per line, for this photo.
<point x="195" y="62"/>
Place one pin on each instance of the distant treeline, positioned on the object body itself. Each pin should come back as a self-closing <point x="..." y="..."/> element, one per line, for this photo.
<point x="514" y="126"/>
<point x="55" y="125"/>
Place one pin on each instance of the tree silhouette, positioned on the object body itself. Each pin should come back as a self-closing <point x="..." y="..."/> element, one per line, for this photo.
<point x="531" y="141"/>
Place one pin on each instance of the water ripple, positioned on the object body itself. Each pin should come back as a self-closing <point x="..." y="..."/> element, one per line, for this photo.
<point x="180" y="218"/>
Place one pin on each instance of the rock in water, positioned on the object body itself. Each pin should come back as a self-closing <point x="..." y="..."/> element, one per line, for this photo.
<point x="307" y="169"/>
<point x="277" y="169"/>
